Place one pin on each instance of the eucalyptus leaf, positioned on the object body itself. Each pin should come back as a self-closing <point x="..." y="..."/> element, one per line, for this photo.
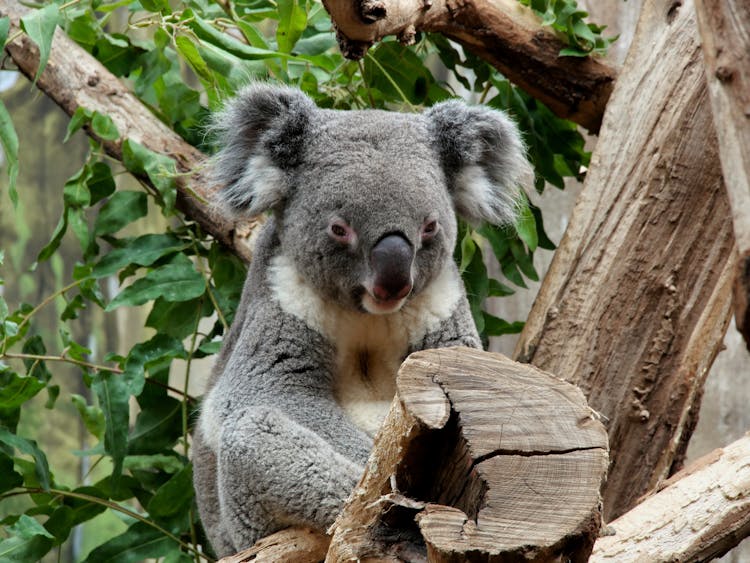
<point x="40" y="26"/>
<point x="9" y="141"/>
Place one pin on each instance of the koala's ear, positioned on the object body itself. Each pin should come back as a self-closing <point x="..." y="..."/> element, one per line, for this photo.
<point x="484" y="160"/>
<point x="261" y="133"/>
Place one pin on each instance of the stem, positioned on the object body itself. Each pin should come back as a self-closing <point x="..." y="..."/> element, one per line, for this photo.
<point x="486" y="91"/>
<point x="367" y="86"/>
<point x="112" y="506"/>
<point x="41" y="358"/>
<point x="95" y="367"/>
<point x="393" y="82"/>
<point x="49" y="300"/>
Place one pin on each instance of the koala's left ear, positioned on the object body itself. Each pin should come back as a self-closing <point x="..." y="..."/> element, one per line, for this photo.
<point x="261" y="133"/>
<point x="484" y="160"/>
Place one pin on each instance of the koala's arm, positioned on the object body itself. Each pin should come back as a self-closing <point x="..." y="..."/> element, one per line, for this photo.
<point x="286" y="452"/>
<point x="456" y="330"/>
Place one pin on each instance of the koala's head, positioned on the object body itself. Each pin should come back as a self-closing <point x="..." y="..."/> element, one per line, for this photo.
<point x="366" y="201"/>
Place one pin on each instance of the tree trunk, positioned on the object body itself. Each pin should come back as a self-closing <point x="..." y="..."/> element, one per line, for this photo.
<point x="494" y="460"/>
<point x="725" y="33"/>
<point x="73" y="79"/>
<point x="638" y="296"/>
<point x="502" y="32"/>
<point x="701" y="513"/>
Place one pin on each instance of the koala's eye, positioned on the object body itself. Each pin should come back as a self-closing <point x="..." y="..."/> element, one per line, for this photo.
<point x="429" y="229"/>
<point x="342" y="233"/>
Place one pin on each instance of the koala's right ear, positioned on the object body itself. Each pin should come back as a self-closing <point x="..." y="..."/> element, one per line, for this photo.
<point x="261" y="133"/>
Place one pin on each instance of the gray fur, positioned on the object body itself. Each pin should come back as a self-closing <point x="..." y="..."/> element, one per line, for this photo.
<point x="276" y="445"/>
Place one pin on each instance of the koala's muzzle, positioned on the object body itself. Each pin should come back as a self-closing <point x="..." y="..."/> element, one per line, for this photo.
<point x="391" y="267"/>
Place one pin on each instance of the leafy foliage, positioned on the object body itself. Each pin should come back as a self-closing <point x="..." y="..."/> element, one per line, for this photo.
<point x="568" y="20"/>
<point x="182" y="59"/>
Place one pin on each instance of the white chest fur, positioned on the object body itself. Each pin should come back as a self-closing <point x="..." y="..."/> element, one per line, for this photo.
<point x="369" y="348"/>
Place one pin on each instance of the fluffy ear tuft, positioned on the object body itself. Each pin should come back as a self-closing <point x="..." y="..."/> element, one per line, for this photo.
<point x="484" y="160"/>
<point x="261" y="135"/>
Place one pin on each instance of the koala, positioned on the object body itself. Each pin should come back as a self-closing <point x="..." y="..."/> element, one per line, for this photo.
<point x="351" y="273"/>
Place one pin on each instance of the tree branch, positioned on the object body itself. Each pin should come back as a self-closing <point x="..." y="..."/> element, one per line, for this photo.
<point x="502" y="32"/>
<point x="725" y="30"/>
<point x="699" y="514"/>
<point x="73" y="79"/>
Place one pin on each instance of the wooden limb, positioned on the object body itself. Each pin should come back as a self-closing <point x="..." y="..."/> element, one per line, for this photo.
<point x="73" y="79"/>
<point x="725" y="33"/>
<point x="493" y="459"/>
<point x="638" y="297"/>
<point x="502" y="32"/>
<point x="293" y="545"/>
<point x="700" y="513"/>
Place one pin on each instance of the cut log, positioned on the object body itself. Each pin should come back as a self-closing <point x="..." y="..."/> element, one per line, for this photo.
<point x="293" y="545"/>
<point x="73" y="79"/>
<point x="701" y="513"/>
<point x="503" y="32"/>
<point x="492" y="459"/>
<point x="638" y="297"/>
<point x="725" y="33"/>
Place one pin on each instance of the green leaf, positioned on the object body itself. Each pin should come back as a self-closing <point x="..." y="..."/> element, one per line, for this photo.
<point x="160" y="169"/>
<point x="40" y="27"/>
<point x="9" y="478"/>
<point x="113" y="395"/>
<point x="100" y="183"/>
<point x="157" y="427"/>
<point x="526" y="228"/>
<point x="92" y="416"/>
<point x="468" y="248"/>
<point x="189" y="52"/>
<point x="122" y="209"/>
<point x="9" y="142"/>
<point x="104" y="127"/>
<point x="292" y="22"/>
<point x="167" y="463"/>
<point x="28" y="541"/>
<point x="175" y="496"/>
<point x="175" y="281"/>
<point x="143" y="250"/>
<point x="524" y="260"/>
<point x="16" y="389"/>
<point x="76" y="192"/>
<point x="4" y="28"/>
<point x="145" y="354"/>
<point x="139" y="542"/>
<point x="495" y="326"/>
<point x="80" y="117"/>
<point x="29" y="447"/>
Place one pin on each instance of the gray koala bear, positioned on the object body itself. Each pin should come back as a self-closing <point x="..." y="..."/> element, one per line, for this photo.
<point x="352" y="272"/>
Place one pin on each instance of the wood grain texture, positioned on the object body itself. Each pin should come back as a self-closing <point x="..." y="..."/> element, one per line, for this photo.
<point x="638" y="296"/>
<point x="73" y="79"/>
<point x="502" y="32"/>
<point x="699" y="514"/>
<point x="293" y="545"/>
<point x="725" y="34"/>
<point x="514" y="471"/>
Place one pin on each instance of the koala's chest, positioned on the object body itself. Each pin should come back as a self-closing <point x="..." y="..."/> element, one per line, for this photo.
<point x="366" y="364"/>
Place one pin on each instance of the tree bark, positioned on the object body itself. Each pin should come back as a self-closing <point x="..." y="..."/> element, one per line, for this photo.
<point x="496" y="461"/>
<point x="73" y="79"/>
<point x="502" y="32"/>
<point x="638" y="297"/>
<point x="725" y="32"/>
<point x="700" y="513"/>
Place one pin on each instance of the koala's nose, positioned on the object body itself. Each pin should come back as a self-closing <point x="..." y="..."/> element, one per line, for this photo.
<point x="391" y="260"/>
